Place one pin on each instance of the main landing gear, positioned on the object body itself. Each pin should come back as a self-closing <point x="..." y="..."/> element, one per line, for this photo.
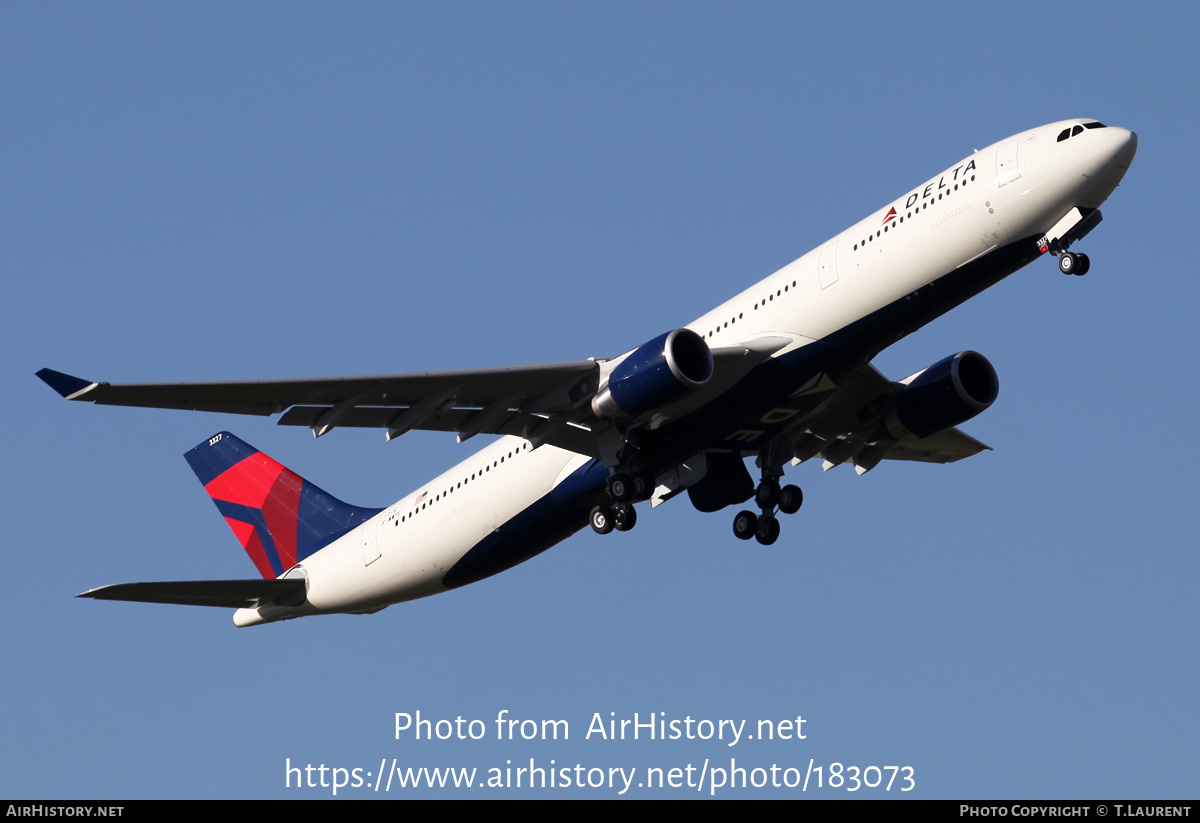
<point x="624" y="489"/>
<point x="772" y="500"/>
<point x="1071" y="263"/>
<point x="604" y="518"/>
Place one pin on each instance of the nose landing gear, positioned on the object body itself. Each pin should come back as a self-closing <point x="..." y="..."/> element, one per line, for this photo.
<point x="1073" y="227"/>
<point x="1071" y="263"/>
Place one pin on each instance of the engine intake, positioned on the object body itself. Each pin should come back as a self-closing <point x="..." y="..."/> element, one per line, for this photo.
<point x="946" y="394"/>
<point x="654" y="374"/>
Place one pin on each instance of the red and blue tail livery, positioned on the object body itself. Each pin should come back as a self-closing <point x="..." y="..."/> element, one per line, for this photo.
<point x="278" y="516"/>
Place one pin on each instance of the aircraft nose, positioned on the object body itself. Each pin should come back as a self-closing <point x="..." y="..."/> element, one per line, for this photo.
<point x="1126" y="153"/>
<point x="1113" y="153"/>
<point x="1121" y="146"/>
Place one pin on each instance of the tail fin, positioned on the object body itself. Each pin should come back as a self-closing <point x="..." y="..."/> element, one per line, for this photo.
<point x="278" y="516"/>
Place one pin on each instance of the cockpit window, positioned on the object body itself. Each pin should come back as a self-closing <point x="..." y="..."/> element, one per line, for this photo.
<point x="1078" y="130"/>
<point x="1074" y="130"/>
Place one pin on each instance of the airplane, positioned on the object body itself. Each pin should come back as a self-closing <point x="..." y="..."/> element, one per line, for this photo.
<point x="781" y="372"/>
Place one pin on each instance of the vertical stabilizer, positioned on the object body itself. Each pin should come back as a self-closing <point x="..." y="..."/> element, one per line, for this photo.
<point x="278" y="516"/>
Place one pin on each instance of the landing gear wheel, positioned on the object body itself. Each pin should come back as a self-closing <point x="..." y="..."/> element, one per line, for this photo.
<point x="1067" y="263"/>
<point x="790" y="499"/>
<point x="744" y="525"/>
<point x="620" y="487"/>
<point x="625" y="517"/>
<point x="767" y="494"/>
<point x="603" y="519"/>
<point x="643" y="485"/>
<point x="767" y="531"/>
<point x="1082" y="264"/>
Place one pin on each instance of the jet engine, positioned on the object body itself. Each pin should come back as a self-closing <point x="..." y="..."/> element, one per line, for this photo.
<point x="654" y="374"/>
<point x="948" y="393"/>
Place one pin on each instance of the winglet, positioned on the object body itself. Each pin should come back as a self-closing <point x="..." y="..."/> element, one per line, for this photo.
<point x="67" y="385"/>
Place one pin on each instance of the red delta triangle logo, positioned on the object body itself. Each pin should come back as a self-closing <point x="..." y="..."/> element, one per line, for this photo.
<point x="891" y="215"/>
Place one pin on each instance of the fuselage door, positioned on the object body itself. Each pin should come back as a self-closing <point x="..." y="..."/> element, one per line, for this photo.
<point x="370" y="542"/>
<point x="1007" y="169"/>
<point x="828" y="264"/>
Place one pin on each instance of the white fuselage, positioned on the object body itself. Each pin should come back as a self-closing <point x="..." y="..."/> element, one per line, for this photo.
<point x="1010" y="192"/>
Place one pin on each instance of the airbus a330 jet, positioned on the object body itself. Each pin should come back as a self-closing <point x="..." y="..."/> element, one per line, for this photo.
<point x="781" y="373"/>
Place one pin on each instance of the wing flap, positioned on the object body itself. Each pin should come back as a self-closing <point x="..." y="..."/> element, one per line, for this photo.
<point x="233" y="594"/>
<point x="947" y="446"/>
<point x="571" y="436"/>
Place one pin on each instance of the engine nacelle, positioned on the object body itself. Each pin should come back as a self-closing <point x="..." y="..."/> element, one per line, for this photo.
<point x="948" y="393"/>
<point x="654" y="374"/>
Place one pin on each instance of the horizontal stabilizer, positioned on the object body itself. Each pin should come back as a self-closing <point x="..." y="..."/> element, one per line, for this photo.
<point x="232" y="594"/>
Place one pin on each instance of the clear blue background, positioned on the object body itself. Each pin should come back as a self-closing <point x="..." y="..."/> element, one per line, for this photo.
<point x="285" y="190"/>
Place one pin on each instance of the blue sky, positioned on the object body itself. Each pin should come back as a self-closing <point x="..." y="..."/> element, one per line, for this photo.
<point x="288" y="190"/>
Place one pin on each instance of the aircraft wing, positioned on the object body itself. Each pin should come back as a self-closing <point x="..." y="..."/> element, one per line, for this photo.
<point x="847" y="424"/>
<point x="543" y="403"/>
<point x="518" y="400"/>
<point x="554" y="385"/>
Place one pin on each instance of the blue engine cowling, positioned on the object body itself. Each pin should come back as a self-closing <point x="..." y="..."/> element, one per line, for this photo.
<point x="654" y="374"/>
<point x="948" y="393"/>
